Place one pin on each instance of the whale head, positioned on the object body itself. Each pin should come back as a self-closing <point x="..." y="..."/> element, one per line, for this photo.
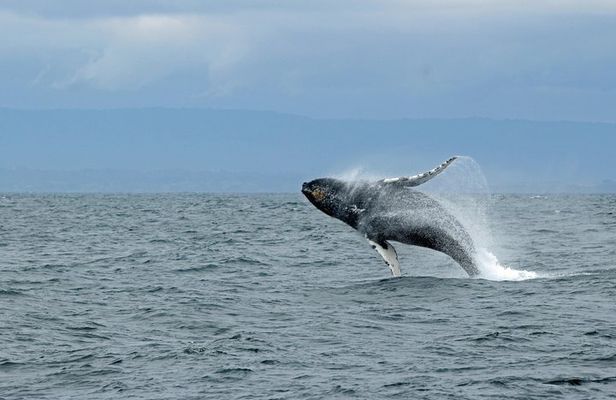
<point x="326" y="194"/>
<point x="335" y="198"/>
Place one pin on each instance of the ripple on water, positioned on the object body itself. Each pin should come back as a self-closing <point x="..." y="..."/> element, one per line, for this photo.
<point x="217" y="296"/>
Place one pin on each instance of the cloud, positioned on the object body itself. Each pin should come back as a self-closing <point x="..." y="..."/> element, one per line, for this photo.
<point x="140" y="50"/>
<point x="111" y="8"/>
<point x="121" y="53"/>
<point x="388" y="58"/>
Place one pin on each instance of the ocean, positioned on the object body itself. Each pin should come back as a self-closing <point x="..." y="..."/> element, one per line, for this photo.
<point x="207" y="296"/>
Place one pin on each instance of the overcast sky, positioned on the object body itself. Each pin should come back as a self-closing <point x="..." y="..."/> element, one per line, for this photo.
<point x="539" y="60"/>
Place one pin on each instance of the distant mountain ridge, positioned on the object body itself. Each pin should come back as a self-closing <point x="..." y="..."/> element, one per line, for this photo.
<point x="253" y="151"/>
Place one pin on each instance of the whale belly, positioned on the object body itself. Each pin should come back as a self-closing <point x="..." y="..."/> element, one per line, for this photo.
<point x="439" y="232"/>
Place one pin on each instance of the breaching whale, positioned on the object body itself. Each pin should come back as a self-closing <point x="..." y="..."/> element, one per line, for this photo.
<point x="389" y="210"/>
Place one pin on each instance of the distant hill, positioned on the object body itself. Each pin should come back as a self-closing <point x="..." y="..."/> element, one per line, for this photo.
<point x="146" y="150"/>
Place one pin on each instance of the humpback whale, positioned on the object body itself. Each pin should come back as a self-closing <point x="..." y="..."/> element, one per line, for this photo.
<point x="390" y="210"/>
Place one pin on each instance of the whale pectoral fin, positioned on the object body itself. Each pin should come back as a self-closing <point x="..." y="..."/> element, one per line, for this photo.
<point x="418" y="179"/>
<point x="387" y="251"/>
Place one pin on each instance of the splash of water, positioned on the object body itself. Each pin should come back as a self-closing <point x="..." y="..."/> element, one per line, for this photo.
<point x="490" y="268"/>
<point x="464" y="192"/>
<point x="357" y="174"/>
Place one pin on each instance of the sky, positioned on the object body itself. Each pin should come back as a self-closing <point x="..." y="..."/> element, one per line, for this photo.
<point x="259" y="94"/>
<point x="503" y="59"/>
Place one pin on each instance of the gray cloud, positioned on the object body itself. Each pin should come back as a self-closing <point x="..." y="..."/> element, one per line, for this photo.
<point x="360" y="58"/>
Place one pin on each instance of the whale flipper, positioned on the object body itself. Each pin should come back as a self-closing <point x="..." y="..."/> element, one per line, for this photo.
<point x="418" y="179"/>
<point x="387" y="251"/>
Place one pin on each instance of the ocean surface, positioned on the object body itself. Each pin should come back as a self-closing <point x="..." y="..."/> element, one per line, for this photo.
<point x="202" y="296"/>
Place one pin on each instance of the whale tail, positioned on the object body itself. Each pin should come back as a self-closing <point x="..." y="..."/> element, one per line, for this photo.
<point x="416" y="180"/>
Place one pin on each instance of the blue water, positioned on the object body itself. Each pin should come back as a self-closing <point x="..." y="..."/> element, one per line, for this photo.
<point x="262" y="297"/>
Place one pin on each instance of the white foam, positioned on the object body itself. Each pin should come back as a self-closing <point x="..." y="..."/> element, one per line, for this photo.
<point x="490" y="268"/>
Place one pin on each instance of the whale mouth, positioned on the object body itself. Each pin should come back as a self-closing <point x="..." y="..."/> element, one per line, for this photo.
<point x="306" y="191"/>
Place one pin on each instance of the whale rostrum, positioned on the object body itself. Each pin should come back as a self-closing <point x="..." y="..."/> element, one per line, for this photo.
<point x="390" y="210"/>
